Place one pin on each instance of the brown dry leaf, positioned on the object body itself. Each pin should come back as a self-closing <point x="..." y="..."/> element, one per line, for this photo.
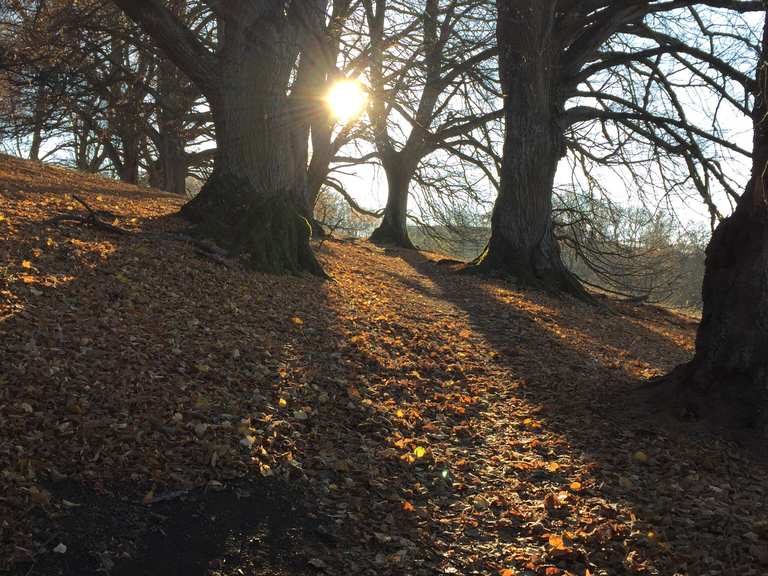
<point x="353" y="392"/>
<point x="556" y="542"/>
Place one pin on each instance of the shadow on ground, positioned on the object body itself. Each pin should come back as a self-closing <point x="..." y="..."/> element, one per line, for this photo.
<point x="245" y="528"/>
<point x="580" y="373"/>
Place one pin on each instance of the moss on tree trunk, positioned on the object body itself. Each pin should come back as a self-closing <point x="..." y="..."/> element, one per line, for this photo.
<point x="263" y="225"/>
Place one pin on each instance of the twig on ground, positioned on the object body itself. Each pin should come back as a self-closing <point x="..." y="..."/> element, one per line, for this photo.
<point x="205" y="248"/>
<point x="91" y="220"/>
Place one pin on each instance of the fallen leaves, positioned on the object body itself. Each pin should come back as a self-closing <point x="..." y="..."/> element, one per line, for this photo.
<point x="439" y="423"/>
<point x="641" y="457"/>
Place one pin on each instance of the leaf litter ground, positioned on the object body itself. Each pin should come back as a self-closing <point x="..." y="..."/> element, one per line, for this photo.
<point x="163" y="414"/>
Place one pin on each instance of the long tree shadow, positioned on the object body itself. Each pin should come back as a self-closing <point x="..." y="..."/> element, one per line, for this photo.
<point x="578" y="368"/>
<point x="172" y="416"/>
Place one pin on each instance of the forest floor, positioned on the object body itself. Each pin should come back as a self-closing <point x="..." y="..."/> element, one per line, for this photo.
<point x="162" y="412"/>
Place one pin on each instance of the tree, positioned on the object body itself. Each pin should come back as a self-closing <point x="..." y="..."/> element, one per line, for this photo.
<point x="729" y="371"/>
<point x="421" y="55"/>
<point x="324" y="65"/>
<point x="548" y="51"/>
<point x="174" y="101"/>
<point x="254" y="200"/>
<point x="32" y="76"/>
<point x="82" y="86"/>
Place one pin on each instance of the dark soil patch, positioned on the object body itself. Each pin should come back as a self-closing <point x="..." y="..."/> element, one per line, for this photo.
<point x="249" y="528"/>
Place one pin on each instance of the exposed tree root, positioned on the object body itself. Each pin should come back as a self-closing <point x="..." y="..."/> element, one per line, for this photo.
<point x="265" y="228"/>
<point x="204" y="248"/>
<point x="556" y="279"/>
<point x="93" y="218"/>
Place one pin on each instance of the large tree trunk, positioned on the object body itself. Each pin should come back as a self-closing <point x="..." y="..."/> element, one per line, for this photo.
<point x="305" y="106"/>
<point x="522" y="240"/>
<point x="317" y="172"/>
<point x="170" y="169"/>
<point x="393" y="228"/>
<point x="254" y="201"/>
<point x="727" y="380"/>
<point x="319" y="61"/>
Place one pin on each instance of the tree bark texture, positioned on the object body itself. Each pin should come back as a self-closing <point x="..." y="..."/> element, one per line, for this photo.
<point x="522" y="240"/>
<point x="393" y="228"/>
<point x="254" y="203"/>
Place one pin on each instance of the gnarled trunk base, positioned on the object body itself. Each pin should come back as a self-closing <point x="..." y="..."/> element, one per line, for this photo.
<point x="392" y="234"/>
<point x="731" y="400"/>
<point x="541" y="268"/>
<point x="244" y="220"/>
<point x="393" y="229"/>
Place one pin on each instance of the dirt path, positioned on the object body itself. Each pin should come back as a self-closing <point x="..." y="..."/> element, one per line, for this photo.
<point x="162" y="414"/>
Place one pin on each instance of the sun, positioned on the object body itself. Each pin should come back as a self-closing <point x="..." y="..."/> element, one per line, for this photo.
<point x="346" y="99"/>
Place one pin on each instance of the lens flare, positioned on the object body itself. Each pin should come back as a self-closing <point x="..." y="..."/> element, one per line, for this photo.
<point x="346" y="100"/>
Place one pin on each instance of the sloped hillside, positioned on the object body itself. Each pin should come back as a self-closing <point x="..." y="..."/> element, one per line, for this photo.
<point x="166" y="411"/>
